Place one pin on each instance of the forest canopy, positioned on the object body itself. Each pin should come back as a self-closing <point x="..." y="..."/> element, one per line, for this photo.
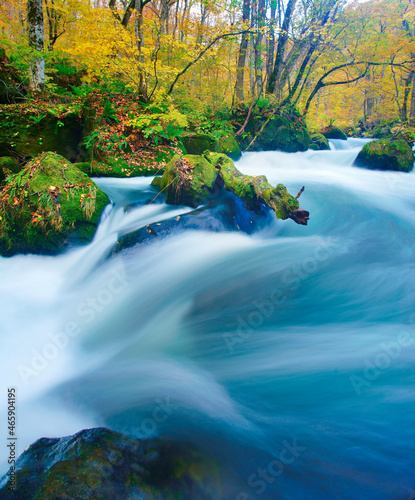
<point x="330" y="59"/>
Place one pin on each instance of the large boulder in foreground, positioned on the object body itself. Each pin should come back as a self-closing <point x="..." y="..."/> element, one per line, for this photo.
<point x="191" y="179"/>
<point x="46" y="205"/>
<point x="99" y="464"/>
<point x="384" y="154"/>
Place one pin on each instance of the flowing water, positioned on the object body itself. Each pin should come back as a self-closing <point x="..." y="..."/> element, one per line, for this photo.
<point x="287" y="353"/>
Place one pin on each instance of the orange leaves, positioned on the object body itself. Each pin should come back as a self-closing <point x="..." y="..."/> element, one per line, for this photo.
<point x="36" y="217"/>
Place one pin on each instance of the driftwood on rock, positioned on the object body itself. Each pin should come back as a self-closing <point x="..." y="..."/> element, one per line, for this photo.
<point x="189" y="180"/>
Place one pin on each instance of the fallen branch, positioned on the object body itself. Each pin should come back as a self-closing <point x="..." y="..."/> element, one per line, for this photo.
<point x="299" y="193"/>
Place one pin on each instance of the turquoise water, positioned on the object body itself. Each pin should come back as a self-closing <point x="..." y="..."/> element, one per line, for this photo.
<point x="288" y="353"/>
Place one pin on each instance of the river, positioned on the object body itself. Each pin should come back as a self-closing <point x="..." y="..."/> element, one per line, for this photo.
<point x="287" y="353"/>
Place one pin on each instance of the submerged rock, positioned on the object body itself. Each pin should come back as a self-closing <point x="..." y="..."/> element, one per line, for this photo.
<point x="99" y="464"/>
<point x="334" y="133"/>
<point x="226" y="212"/>
<point x="46" y="205"/>
<point x="384" y="154"/>
<point x="190" y="180"/>
<point x="319" y="142"/>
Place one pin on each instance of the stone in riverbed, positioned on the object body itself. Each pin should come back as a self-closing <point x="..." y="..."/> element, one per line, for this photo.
<point x="384" y="154"/>
<point x="187" y="180"/>
<point x="100" y="464"/>
<point x="319" y="142"/>
<point x="334" y="133"/>
<point x="191" y="180"/>
<point x="46" y="205"/>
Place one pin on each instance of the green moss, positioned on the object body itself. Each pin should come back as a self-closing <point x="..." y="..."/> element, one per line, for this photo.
<point x="319" y="142"/>
<point x="334" y="133"/>
<point x="99" y="464"/>
<point x="230" y="147"/>
<point x="45" y="204"/>
<point x="284" y="131"/>
<point x="383" y="154"/>
<point x="254" y="190"/>
<point x="8" y="165"/>
<point x="29" y="133"/>
<point x="197" y="144"/>
<point x="187" y="180"/>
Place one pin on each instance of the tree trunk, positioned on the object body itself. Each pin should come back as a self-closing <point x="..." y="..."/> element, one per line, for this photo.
<point x="412" y="108"/>
<point x="282" y="42"/>
<point x="259" y="63"/>
<point x="36" y="39"/>
<point x="271" y="40"/>
<point x="240" y="69"/>
<point x="142" y="85"/>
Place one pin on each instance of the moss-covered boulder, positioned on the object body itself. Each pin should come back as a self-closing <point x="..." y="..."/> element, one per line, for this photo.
<point x="383" y="154"/>
<point x="280" y="131"/>
<point x="331" y="132"/>
<point x="46" y="205"/>
<point x="191" y="179"/>
<point x="254" y="191"/>
<point x="319" y="142"/>
<point x="187" y="180"/>
<point x="154" y="163"/>
<point x="229" y="146"/>
<point x="197" y="144"/>
<point x="99" y="464"/>
<point x="27" y="132"/>
<point x="8" y="165"/>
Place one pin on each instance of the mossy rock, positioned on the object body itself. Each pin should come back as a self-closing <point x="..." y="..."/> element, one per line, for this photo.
<point x="46" y="205"/>
<point x="187" y="180"/>
<point x="29" y="134"/>
<point x="334" y="133"/>
<point x="8" y="165"/>
<point x="254" y="190"/>
<point x="197" y="144"/>
<point x="229" y="146"/>
<point x="190" y="180"/>
<point x="383" y="154"/>
<point x="99" y="464"/>
<point x="319" y="142"/>
<point x="281" y="132"/>
<point x="129" y="165"/>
